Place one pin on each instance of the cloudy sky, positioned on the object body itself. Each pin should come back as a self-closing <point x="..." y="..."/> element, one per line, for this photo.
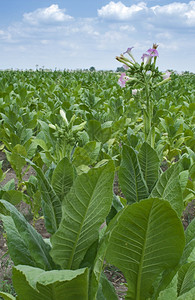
<point x="78" y="34"/>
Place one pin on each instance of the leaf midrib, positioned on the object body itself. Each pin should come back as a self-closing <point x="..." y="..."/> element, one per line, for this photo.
<point x="81" y="226"/>
<point x="139" y="277"/>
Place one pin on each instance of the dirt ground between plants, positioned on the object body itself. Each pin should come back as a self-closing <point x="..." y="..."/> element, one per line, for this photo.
<point x="112" y="273"/>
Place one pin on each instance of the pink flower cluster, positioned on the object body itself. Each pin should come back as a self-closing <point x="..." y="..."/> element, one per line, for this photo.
<point x="147" y="57"/>
<point x="123" y="79"/>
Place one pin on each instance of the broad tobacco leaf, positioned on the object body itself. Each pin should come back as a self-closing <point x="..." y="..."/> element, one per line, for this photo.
<point x="34" y="283"/>
<point x="84" y="209"/>
<point x="131" y="178"/>
<point x="148" y="238"/>
<point x="149" y="163"/>
<point x="62" y="178"/>
<point x="168" y="188"/>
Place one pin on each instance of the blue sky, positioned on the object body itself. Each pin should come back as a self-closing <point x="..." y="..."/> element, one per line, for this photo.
<point x="78" y="34"/>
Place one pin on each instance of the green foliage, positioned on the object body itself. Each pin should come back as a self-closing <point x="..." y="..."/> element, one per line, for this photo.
<point x="26" y="245"/>
<point x="147" y="239"/>
<point x="85" y="209"/>
<point x="78" y="130"/>
<point x="131" y="177"/>
<point x="33" y="283"/>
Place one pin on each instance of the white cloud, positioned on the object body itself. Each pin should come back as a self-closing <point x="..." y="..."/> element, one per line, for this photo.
<point x="119" y="11"/>
<point x="176" y="13"/>
<point x="175" y="8"/>
<point x="83" y="42"/>
<point x="173" y="13"/>
<point x="190" y="14"/>
<point x="49" y="14"/>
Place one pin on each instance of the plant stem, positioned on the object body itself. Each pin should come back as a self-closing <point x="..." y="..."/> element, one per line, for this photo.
<point x="148" y="111"/>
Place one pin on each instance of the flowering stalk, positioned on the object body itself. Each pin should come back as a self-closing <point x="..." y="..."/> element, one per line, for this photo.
<point x="143" y="78"/>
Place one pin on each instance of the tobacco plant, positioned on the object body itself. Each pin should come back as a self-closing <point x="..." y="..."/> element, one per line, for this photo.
<point x="144" y="239"/>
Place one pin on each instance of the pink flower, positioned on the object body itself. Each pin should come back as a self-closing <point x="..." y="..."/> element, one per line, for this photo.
<point x="152" y="52"/>
<point x="146" y="58"/>
<point x="122" y="80"/>
<point x="128" y="51"/>
<point x="166" y="75"/>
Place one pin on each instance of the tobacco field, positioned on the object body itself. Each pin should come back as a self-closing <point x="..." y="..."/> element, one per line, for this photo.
<point x="109" y="172"/>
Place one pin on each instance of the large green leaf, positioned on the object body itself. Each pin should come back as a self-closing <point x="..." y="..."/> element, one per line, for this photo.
<point x="62" y="178"/>
<point x="36" y="284"/>
<point x="25" y="244"/>
<point x="131" y="178"/>
<point x="51" y="203"/>
<point x="168" y="188"/>
<point x="149" y="163"/>
<point x="186" y="278"/>
<point x="147" y="239"/>
<point x="84" y="209"/>
<point x="189" y="250"/>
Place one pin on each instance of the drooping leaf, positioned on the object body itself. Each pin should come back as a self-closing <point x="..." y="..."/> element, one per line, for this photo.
<point x="168" y="188"/>
<point x="149" y="163"/>
<point x="7" y="296"/>
<point x="106" y="289"/>
<point x="36" y="284"/>
<point x="25" y="244"/>
<point x="84" y="209"/>
<point x="148" y="238"/>
<point x="51" y="203"/>
<point x="131" y="178"/>
<point x="62" y="178"/>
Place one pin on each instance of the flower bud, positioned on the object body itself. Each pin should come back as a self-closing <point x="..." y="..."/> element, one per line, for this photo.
<point x="63" y="115"/>
<point x="52" y="126"/>
<point x="134" y="92"/>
